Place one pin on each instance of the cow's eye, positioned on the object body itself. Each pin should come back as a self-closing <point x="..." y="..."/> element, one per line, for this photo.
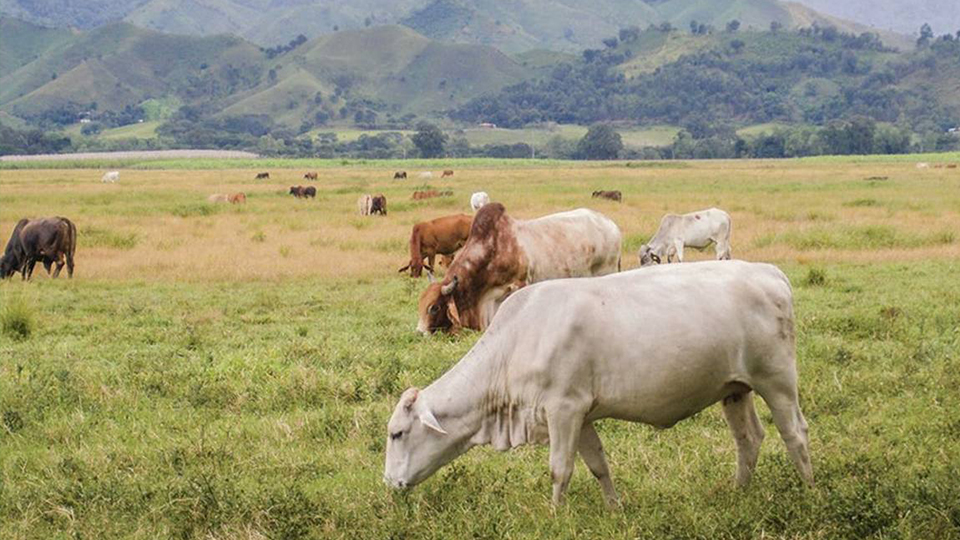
<point x="434" y="309"/>
<point x="397" y="435"/>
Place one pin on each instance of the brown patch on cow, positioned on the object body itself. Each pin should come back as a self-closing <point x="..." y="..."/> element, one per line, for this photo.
<point x="697" y="216"/>
<point x="490" y="258"/>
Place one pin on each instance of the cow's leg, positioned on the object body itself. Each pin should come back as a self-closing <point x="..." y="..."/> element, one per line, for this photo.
<point x="563" y="426"/>
<point x="28" y="269"/>
<point x="780" y="393"/>
<point x="591" y="450"/>
<point x="746" y="429"/>
<point x="679" y="251"/>
<point x="723" y="249"/>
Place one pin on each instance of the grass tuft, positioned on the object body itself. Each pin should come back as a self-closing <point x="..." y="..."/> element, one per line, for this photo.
<point x="17" y="320"/>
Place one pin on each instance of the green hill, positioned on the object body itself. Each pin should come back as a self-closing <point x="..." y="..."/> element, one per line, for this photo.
<point x="120" y="65"/>
<point x="388" y="68"/>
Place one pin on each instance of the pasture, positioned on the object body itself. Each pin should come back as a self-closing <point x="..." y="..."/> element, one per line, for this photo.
<point x="219" y="371"/>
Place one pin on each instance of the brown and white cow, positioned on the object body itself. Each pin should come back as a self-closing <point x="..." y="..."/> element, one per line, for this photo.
<point x="611" y="195"/>
<point x="441" y="236"/>
<point x="504" y="254"/>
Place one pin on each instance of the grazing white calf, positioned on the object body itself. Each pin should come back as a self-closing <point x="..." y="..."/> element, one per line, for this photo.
<point x="696" y="229"/>
<point x="653" y="345"/>
<point x="425" y="174"/>
<point x="365" y="204"/>
<point x="111" y="177"/>
<point x="478" y="199"/>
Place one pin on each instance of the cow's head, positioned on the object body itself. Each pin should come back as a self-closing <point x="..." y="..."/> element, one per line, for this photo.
<point x="647" y="256"/>
<point x="438" y="309"/>
<point x="416" y="443"/>
<point x="8" y="266"/>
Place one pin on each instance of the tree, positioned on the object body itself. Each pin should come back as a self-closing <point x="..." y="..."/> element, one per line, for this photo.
<point x="733" y="26"/>
<point x="737" y="45"/>
<point x="630" y="33"/>
<point x="610" y="43"/>
<point x="776" y="26"/>
<point x="429" y="140"/>
<point x="926" y="34"/>
<point x="600" y="142"/>
<point x="694" y="26"/>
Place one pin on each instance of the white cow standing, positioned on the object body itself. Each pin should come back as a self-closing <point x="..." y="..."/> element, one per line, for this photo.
<point x="425" y="174"/>
<point x="478" y="199"/>
<point x="364" y="204"/>
<point x="696" y="229"/>
<point x="110" y="177"/>
<point x="653" y="345"/>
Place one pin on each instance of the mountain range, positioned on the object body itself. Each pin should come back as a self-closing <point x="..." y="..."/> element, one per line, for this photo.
<point x="509" y="25"/>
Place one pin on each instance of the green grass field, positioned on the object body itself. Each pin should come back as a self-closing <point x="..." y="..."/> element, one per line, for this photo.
<point x="228" y="371"/>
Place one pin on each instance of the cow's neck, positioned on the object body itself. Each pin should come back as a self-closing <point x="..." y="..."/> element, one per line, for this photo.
<point x="472" y="403"/>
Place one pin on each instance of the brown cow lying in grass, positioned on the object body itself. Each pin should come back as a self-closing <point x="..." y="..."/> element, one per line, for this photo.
<point x="441" y="236"/>
<point x="430" y="194"/>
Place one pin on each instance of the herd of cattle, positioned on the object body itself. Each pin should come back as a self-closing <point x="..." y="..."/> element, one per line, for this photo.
<point x="568" y="339"/>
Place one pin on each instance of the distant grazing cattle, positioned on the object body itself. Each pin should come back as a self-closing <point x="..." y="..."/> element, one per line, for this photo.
<point x="425" y="174"/>
<point x="48" y="240"/>
<point x="400" y="175"/>
<point x="218" y="198"/>
<point x="429" y="194"/>
<point x="952" y="166"/>
<point x="378" y="204"/>
<point x="478" y="199"/>
<point x="441" y="236"/>
<point x="363" y="205"/>
<point x="263" y="176"/>
<point x="654" y="346"/>
<point x="110" y="177"/>
<point x="612" y="195"/>
<point x="504" y="254"/>
<point x="237" y="198"/>
<point x="923" y="165"/>
<point x="446" y="173"/>
<point x="310" y="176"/>
<point x="938" y="166"/>
<point x="302" y="192"/>
<point x="697" y="230"/>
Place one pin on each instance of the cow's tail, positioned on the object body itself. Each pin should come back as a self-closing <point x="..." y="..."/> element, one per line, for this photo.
<point x="72" y="245"/>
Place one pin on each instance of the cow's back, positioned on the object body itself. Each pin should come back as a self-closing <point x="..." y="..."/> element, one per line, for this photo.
<point x="578" y="243"/>
<point x="653" y="345"/>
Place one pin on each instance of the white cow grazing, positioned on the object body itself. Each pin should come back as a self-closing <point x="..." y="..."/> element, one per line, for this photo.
<point x="111" y="177"/>
<point x="364" y="205"/>
<point x="426" y="174"/>
<point x="696" y="229"/>
<point x="478" y="199"/>
<point x="653" y="345"/>
<point x="218" y="198"/>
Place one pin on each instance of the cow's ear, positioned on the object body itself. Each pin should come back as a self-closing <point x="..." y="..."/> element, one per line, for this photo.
<point x="428" y="419"/>
<point x="454" y="314"/>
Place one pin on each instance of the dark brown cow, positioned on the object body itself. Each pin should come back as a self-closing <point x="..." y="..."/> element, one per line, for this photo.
<point x="310" y="176"/>
<point x="400" y="175"/>
<point x="441" y="236"/>
<point x="446" y="173"/>
<point x="612" y="195"/>
<point x="952" y="166"/>
<point x="49" y="240"/>
<point x="503" y="254"/>
<point x="263" y="176"/>
<point x="302" y="192"/>
<point x="378" y="204"/>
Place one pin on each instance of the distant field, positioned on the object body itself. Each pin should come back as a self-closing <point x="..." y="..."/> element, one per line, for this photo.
<point x="225" y="372"/>
<point x="632" y="137"/>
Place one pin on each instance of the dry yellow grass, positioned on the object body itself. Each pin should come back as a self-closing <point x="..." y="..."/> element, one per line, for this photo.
<point x="151" y="224"/>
